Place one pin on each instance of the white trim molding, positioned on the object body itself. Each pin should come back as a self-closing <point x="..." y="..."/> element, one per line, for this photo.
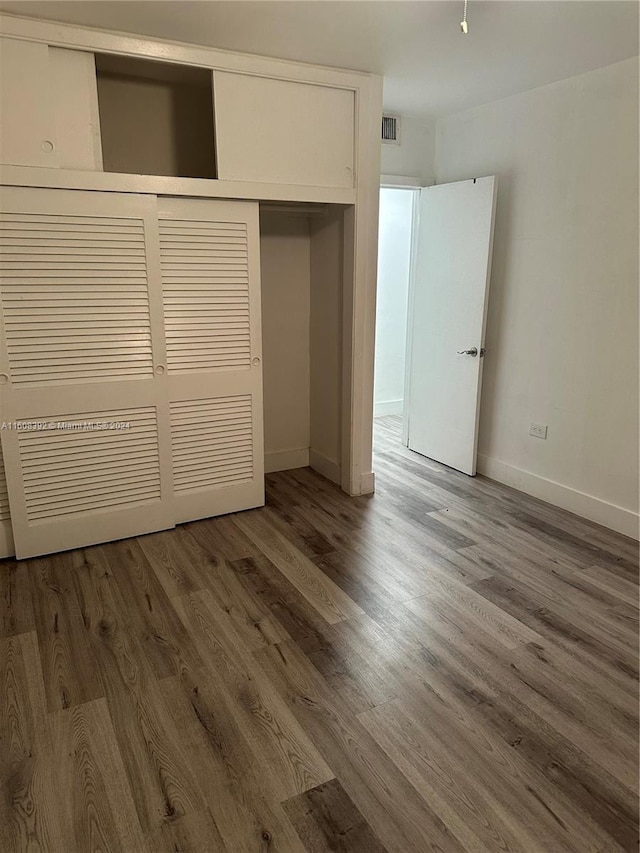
<point x="368" y="483"/>
<point x="388" y="407"/>
<point x="329" y="468"/>
<point x="587" y="506"/>
<point x="285" y="460"/>
<point x="77" y="179"/>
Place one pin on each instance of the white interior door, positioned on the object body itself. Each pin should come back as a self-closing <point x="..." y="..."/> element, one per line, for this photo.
<point x="87" y="448"/>
<point x="447" y="320"/>
<point x="211" y="293"/>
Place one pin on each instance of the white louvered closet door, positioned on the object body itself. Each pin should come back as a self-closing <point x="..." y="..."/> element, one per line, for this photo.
<point x="83" y="347"/>
<point x="210" y="264"/>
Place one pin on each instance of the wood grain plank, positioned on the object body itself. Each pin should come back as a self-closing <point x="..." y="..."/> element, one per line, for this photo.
<point x="567" y="600"/>
<point x="613" y="669"/>
<point x="70" y="673"/>
<point x="221" y="538"/>
<point x="152" y="619"/>
<point x="265" y="583"/>
<point x="246" y="815"/>
<point x="326" y="818"/>
<point x="251" y="617"/>
<point x="16" y="610"/>
<point x="400" y="818"/>
<point x="193" y="833"/>
<point x="99" y="813"/>
<point x="461" y="605"/>
<point x="320" y="592"/>
<point x="477" y="784"/>
<point x="29" y="806"/>
<point x="180" y="564"/>
<point x="282" y="751"/>
<point x="159" y="778"/>
<point x="485" y="818"/>
<point x="479" y="690"/>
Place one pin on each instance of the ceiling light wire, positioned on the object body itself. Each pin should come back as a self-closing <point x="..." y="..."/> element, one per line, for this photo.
<point x="464" y="27"/>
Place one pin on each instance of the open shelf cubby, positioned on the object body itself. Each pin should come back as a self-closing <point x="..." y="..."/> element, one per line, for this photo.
<point x="155" y="118"/>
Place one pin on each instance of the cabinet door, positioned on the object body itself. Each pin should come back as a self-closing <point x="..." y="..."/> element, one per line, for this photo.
<point x="77" y="127"/>
<point x="210" y="262"/>
<point x="278" y="131"/>
<point x="48" y="107"/>
<point x="27" y="121"/>
<point x="82" y="369"/>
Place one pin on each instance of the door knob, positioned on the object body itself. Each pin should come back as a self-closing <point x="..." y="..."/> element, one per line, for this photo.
<point x="473" y="351"/>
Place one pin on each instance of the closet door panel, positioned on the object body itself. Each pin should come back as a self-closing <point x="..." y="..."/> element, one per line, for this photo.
<point x="211" y="294"/>
<point x="283" y="131"/>
<point x="88" y="451"/>
<point x="48" y="106"/>
<point x="27" y="118"/>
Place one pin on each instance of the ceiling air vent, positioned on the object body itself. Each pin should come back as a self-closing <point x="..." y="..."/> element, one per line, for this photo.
<point x="391" y="129"/>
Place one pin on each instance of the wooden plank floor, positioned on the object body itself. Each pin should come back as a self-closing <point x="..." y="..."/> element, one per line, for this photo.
<point x="446" y="666"/>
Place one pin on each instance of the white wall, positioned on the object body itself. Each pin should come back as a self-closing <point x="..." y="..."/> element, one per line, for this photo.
<point x="562" y="337"/>
<point x="394" y="252"/>
<point x="285" y="263"/>
<point x="415" y="154"/>
<point x="326" y="342"/>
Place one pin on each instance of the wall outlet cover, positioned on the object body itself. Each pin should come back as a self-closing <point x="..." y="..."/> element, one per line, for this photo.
<point x="538" y="430"/>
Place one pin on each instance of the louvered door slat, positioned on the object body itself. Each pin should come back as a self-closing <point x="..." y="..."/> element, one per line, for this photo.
<point x="223" y="291"/>
<point x="211" y="298"/>
<point x="81" y="307"/>
<point x="202" y="466"/>
<point x="38" y="289"/>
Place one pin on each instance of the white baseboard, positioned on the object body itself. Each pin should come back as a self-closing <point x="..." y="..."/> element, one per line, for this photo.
<point x="367" y="483"/>
<point x="284" y="460"/>
<point x="388" y="407"/>
<point x="325" y="466"/>
<point x="609" y="515"/>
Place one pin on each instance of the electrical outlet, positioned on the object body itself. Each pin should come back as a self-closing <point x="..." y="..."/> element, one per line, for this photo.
<point x="538" y="430"/>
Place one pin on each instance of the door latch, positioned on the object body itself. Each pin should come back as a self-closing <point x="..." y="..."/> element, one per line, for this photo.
<point x="472" y="352"/>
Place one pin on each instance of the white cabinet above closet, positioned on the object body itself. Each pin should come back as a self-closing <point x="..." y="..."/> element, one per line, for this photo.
<point x="48" y="107"/>
<point x="283" y="132"/>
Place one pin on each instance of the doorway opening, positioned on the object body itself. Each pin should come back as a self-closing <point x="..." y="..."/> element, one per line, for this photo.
<point x="395" y="245"/>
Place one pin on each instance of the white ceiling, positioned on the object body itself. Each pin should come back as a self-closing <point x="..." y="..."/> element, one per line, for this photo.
<point x="430" y="68"/>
